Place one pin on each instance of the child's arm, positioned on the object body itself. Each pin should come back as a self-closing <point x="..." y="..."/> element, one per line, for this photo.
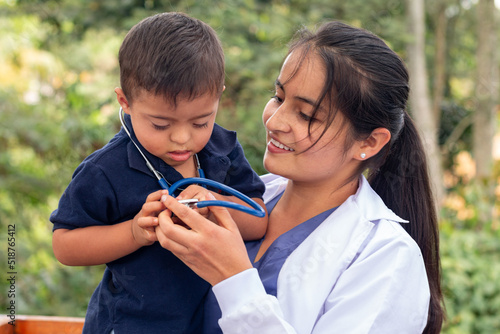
<point x="251" y="227"/>
<point x="96" y="245"/>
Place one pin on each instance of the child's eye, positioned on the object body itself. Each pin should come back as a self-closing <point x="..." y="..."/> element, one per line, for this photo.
<point x="201" y="126"/>
<point x="160" y="127"/>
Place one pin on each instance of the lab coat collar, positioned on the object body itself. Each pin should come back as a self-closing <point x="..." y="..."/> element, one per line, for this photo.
<point x="371" y="206"/>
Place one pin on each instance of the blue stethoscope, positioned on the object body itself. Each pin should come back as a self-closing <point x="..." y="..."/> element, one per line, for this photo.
<point x="256" y="209"/>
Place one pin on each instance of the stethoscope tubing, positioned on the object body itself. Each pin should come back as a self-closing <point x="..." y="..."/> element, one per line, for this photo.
<point x="256" y="209"/>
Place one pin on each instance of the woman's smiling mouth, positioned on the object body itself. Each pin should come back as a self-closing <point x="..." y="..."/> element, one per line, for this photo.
<point x="280" y="145"/>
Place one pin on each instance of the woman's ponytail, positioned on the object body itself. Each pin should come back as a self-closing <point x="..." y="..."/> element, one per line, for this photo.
<point x="369" y="84"/>
<point x="403" y="183"/>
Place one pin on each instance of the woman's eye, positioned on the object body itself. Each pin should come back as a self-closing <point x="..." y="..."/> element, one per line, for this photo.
<point x="306" y="117"/>
<point x="277" y="99"/>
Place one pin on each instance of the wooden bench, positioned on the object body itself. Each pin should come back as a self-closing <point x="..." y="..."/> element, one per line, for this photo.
<point x="41" y="325"/>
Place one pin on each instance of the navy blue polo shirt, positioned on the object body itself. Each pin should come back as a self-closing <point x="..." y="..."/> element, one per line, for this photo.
<point x="150" y="290"/>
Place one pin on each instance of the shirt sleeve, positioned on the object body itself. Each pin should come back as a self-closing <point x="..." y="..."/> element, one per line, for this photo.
<point x="241" y="176"/>
<point x="247" y="308"/>
<point x="88" y="200"/>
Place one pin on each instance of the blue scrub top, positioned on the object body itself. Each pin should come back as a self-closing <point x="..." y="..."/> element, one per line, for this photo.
<point x="269" y="265"/>
<point x="148" y="291"/>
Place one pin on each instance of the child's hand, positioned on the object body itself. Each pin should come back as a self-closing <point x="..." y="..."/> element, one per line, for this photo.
<point x="145" y="222"/>
<point x="200" y="193"/>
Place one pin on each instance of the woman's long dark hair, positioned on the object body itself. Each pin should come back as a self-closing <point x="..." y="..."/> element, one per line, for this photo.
<point x="368" y="83"/>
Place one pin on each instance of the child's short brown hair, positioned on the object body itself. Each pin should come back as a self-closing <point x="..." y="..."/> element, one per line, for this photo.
<point x="173" y="55"/>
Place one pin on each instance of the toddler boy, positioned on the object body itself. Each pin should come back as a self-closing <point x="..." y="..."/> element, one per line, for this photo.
<point x="172" y="77"/>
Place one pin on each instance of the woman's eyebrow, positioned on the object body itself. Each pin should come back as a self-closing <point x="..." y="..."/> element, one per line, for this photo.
<point x="278" y="83"/>
<point x="309" y="101"/>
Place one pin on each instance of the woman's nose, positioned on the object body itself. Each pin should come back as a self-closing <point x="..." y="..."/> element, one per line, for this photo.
<point x="275" y="119"/>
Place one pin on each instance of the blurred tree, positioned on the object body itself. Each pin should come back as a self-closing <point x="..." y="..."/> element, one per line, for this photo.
<point x="439" y="18"/>
<point x="419" y="98"/>
<point x="486" y="103"/>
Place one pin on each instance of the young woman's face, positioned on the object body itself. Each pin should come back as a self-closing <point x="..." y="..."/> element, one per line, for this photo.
<point x="173" y="133"/>
<point x="286" y="118"/>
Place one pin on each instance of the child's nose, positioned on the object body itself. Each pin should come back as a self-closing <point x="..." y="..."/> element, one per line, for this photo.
<point x="180" y="136"/>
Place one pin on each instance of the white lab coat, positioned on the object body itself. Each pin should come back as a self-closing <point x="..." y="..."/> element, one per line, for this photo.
<point x="358" y="272"/>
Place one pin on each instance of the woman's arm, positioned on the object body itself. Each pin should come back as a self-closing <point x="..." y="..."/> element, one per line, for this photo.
<point x="383" y="291"/>
<point x="218" y="255"/>
<point x="247" y="308"/>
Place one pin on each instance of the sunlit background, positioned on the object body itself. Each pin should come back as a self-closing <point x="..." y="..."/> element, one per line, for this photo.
<point x="58" y="69"/>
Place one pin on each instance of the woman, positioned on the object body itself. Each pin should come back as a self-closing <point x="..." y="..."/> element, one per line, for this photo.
<point x="335" y="258"/>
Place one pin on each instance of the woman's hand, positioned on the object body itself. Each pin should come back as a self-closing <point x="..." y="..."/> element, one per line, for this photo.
<point x="214" y="252"/>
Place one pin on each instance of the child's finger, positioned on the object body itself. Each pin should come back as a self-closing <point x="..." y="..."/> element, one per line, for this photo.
<point x="147" y="222"/>
<point x="152" y="208"/>
<point x="150" y="234"/>
<point x="203" y="211"/>
<point x="193" y="191"/>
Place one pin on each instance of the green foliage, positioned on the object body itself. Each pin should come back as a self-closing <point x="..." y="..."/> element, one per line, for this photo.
<point x="471" y="277"/>
<point x="470" y="255"/>
<point x="52" y="115"/>
<point x="58" y="69"/>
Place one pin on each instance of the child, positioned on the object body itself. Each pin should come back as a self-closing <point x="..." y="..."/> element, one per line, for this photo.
<point x="172" y="77"/>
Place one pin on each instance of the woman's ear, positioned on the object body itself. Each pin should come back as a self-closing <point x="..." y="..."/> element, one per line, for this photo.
<point x="373" y="144"/>
<point x="122" y="100"/>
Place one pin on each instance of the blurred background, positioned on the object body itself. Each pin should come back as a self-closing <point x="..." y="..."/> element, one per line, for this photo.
<point x="58" y="69"/>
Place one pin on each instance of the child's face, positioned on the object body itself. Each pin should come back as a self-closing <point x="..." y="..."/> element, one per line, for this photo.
<point x="173" y="133"/>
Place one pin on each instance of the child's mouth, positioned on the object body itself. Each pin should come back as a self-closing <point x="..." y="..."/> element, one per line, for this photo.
<point x="179" y="155"/>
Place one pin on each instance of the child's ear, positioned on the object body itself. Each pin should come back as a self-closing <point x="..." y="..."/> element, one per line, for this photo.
<point x="122" y="100"/>
<point x="373" y="144"/>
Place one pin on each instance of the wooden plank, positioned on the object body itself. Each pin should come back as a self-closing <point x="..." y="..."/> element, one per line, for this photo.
<point x="47" y="325"/>
<point x="5" y="327"/>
